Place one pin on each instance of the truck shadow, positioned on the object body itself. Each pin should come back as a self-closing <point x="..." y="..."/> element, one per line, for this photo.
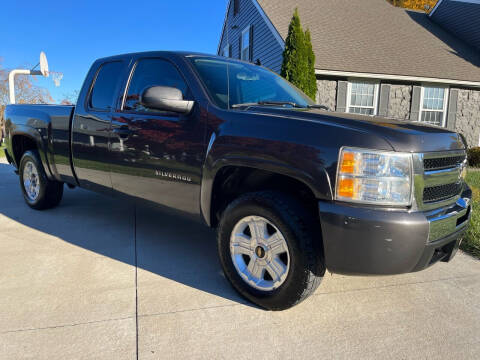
<point x="161" y="243"/>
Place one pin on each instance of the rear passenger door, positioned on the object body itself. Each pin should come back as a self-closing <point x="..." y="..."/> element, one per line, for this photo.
<point x="91" y="126"/>
<point x="157" y="155"/>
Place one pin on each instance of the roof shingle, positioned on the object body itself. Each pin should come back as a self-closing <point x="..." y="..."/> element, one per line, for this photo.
<point x="372" y="36"/>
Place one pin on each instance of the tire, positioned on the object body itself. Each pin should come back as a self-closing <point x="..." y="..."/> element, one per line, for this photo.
<point x="296" y="275"/>
<point x="43" y="193"/>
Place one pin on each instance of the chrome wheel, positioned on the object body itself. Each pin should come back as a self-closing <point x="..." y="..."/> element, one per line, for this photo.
<point x="260" y="253"/>
<point x="31" y="182"/>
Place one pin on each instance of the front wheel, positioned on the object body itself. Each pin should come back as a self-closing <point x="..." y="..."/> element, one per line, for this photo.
<point x="39" y="192"/>
<point x="270" y="249"/>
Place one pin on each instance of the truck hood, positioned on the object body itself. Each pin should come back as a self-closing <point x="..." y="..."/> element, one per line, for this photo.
<point x="405" y="136"/>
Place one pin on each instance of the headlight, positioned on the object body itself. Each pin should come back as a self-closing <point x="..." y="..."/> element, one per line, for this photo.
<point x="374" y="177"/>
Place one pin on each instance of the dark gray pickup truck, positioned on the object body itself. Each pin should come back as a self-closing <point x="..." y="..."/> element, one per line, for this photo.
<point x="293" y="189"/>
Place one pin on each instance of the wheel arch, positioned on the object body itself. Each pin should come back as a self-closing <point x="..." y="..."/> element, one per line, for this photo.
<point x="255" y="174"/>
<point x="24" y="139"/>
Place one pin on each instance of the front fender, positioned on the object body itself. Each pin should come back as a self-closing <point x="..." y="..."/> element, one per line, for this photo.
<point x="313" y="175"/>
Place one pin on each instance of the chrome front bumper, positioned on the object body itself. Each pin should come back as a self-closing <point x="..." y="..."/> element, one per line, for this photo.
<point x="450" y="219"/>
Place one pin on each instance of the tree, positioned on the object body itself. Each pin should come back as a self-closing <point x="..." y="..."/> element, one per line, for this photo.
<point x="425" y="5"/>
<point x="70" y="98"/>
<point x="25" y="92"/>
<point x="298" y="58"/>
<point x="311" y="89"/>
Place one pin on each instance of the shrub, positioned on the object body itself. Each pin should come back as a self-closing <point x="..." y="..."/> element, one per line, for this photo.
<point x="298" y="65"/>
<point x="474" y="157"/>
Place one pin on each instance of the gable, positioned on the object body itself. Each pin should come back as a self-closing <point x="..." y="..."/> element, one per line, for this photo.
<point x="267" y="43"/>
<point x="461" y="17"/>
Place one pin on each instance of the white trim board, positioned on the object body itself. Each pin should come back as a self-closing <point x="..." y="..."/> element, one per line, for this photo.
<point x="435" y="7"/>
<point x="396" y="77"/>
<point x="272" y="28"/>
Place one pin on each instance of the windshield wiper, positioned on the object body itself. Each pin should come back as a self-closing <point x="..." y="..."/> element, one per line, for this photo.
<point x="323" y="107"/>
<point x="267" y="103"/>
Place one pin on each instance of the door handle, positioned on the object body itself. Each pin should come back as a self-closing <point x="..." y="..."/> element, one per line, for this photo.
<point x="123" y="131"/>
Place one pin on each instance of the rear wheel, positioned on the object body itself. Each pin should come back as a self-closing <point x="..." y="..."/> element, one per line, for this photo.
<point x="39" y="192"/>
<point x="270" y="249"/>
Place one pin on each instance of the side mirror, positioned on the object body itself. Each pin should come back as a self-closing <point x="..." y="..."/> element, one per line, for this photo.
<point x="166" y="98"/>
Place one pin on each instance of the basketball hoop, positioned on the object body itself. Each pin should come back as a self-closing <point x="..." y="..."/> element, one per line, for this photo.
<point x="56" y="77"/>
<point x="43" y="64"/>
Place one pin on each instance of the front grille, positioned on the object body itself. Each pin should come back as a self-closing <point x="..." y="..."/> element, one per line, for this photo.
<point x="441" y="192"/>
<point x="443" y="162"/>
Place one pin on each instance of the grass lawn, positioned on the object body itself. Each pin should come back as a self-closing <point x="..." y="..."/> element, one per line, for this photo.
<point x="2" y="153"/>
<point x="471" y="243"/>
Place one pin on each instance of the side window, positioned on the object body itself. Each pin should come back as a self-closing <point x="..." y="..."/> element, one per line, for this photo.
<point x="148" y="73"/>
<point x="106" y="82"/>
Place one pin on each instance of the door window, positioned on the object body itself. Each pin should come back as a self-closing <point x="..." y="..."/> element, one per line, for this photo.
<point x="148" y="73"/>
<point x="106" y="82"/>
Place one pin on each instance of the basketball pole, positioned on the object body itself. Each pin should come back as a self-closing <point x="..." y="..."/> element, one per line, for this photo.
<point x="11" y="80"/>
<point x="11" y="75"/>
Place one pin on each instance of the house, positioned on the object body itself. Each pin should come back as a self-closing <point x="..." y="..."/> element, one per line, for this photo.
<point x="373" y="58"/>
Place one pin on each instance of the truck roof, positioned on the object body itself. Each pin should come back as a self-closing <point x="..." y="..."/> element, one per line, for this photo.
<point x="157" y="53"/>
<point x="168" y="54"/>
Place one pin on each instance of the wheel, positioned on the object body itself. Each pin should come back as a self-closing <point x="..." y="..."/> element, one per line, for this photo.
<point x="270" y="249"/>
<point x="39" y="192"/>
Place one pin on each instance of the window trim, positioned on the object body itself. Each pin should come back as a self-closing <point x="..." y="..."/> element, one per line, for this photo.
<point x="445" y="103"/>
<point x="247" y="31"/>
<point x="375" y="95"/>
<point x="226" y="49"/>
<point x="127" y="86"/>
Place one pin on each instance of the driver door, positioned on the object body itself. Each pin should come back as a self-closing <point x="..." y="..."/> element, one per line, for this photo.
<point x="156" y="155"/>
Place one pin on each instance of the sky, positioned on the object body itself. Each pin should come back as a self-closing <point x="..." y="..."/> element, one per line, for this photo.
<point x="73" y="34"/>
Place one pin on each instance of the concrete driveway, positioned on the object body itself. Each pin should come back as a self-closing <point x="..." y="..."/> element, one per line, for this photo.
<point x="97" y="278"/>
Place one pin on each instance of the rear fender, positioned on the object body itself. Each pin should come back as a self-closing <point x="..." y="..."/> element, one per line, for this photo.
<point x="39" y="136"/>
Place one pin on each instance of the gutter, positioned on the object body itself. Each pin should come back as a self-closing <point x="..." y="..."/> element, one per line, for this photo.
<point x="397" y="77"/>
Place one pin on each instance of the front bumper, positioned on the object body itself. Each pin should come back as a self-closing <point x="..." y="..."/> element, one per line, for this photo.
<point x="361" y="240"/>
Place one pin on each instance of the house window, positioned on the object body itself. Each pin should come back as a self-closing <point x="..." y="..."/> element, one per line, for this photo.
<point x="236" y="7"/>
<point x="245" y="44"/>
<point x="433" y="105"/>
<point x="226" y="51"/>
<point x="362" y="97"/>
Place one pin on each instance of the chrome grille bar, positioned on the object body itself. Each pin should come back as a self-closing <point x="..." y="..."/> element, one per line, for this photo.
<point x="437" y="178"/>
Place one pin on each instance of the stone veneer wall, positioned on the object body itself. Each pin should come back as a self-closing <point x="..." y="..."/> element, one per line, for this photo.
<point x="327" y="93"/>
<point x="468" y="116"/>
<point x="400" y="102"/>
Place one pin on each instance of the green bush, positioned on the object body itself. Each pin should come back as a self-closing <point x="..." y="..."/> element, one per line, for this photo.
<point x="298" y="64"/>
<point x="474" y="157"/>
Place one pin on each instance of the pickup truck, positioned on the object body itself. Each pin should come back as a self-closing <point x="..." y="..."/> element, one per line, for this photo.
<point x="292" y="189"/>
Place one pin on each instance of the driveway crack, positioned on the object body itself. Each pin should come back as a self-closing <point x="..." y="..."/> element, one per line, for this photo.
<point x="136" y="277"/>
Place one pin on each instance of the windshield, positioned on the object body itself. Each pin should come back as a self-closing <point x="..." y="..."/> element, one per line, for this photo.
<point x="231" y="83"/>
